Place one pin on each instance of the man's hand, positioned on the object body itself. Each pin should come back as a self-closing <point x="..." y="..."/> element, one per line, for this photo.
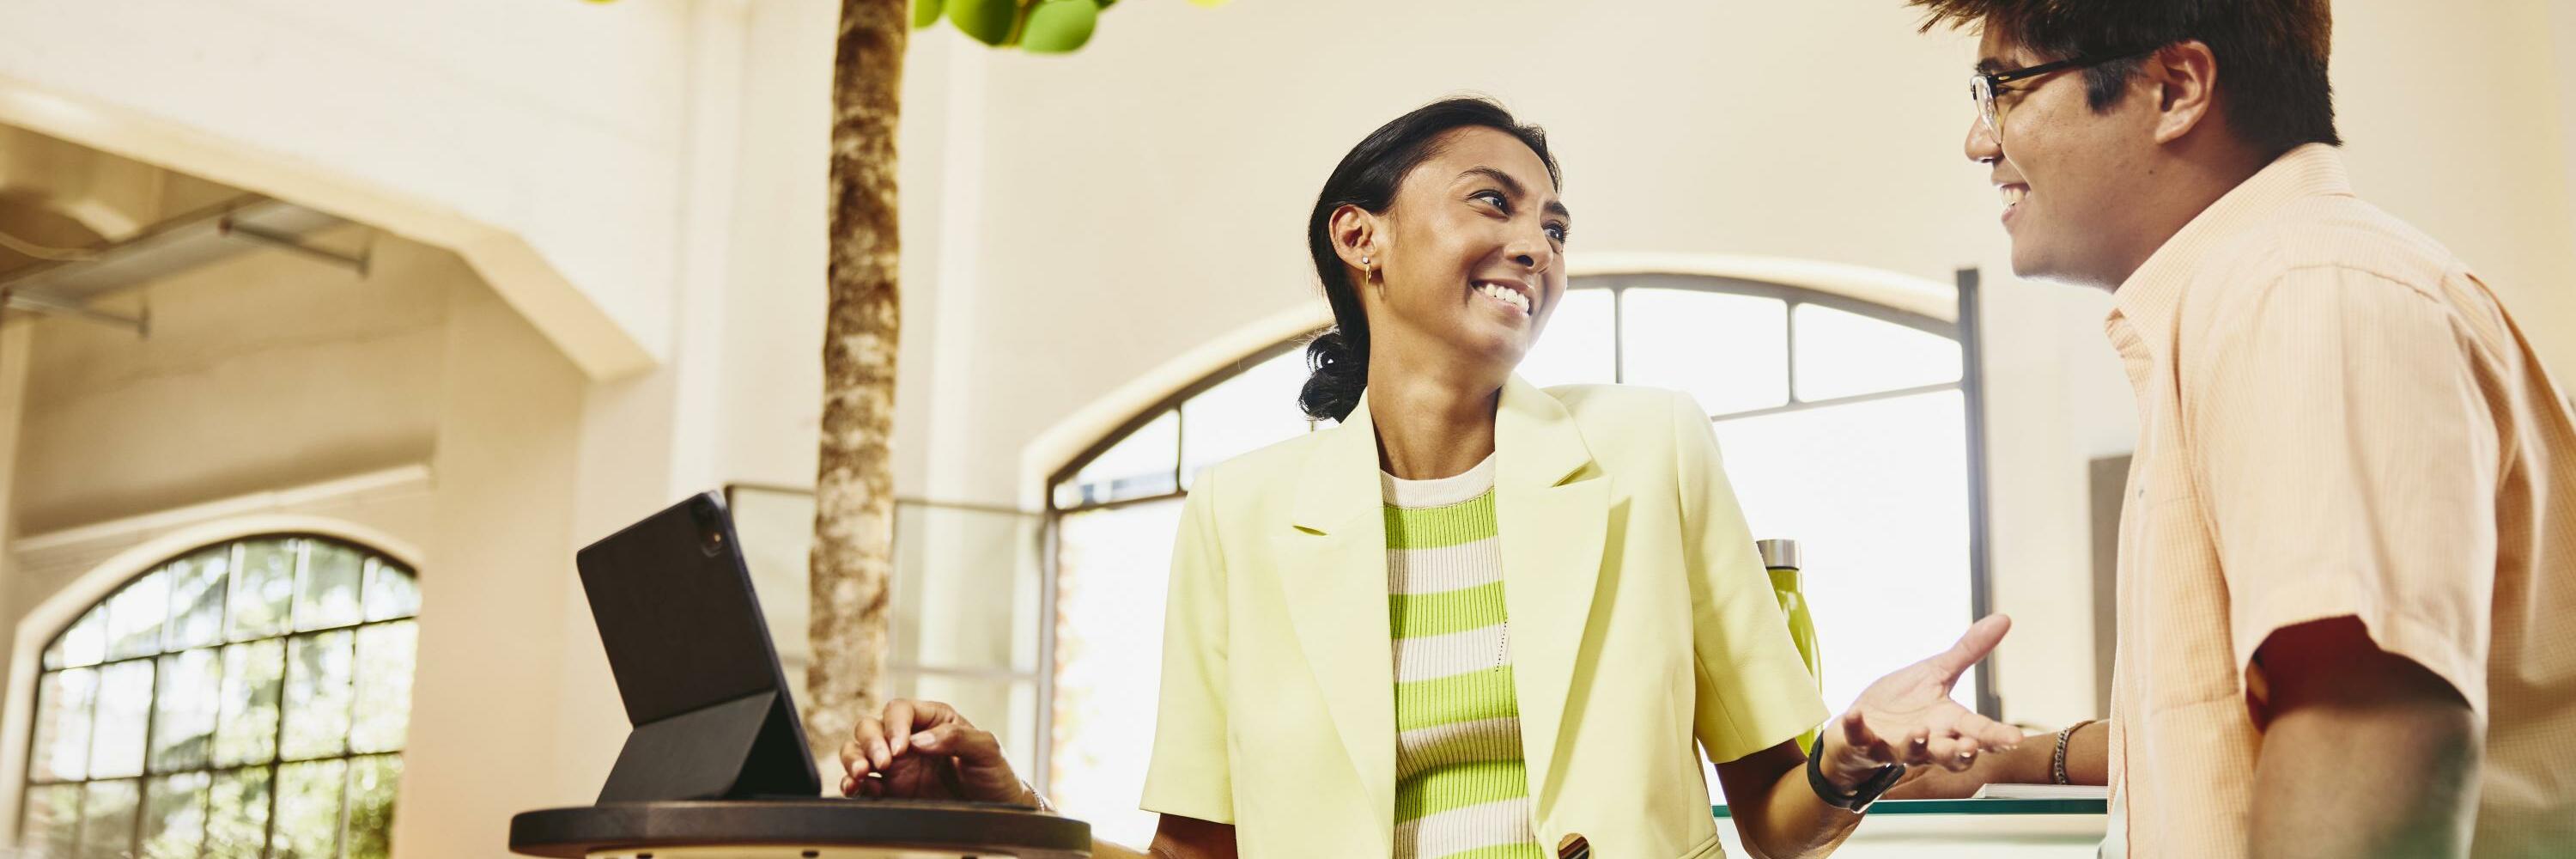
<point x="926" y="750"/>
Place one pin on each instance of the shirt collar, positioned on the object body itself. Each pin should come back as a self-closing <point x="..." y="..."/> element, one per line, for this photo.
<point x="2142" y="313"/>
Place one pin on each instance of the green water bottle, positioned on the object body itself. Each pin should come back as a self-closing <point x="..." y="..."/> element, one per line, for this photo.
<point x="1781" y="558"/>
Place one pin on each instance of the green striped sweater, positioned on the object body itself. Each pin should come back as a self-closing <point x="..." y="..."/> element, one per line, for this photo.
<point x="1461" y="791"/>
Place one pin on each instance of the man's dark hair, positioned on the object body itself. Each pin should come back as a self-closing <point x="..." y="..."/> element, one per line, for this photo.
<point x="2271" y="53"/>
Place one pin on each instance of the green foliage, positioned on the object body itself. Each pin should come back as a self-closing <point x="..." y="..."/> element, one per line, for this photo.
<point x="1035" y="26"/>
<point x="1059" y="26"/>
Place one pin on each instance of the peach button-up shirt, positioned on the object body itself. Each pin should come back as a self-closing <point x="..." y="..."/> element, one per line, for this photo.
<point x="2336" y="418"/>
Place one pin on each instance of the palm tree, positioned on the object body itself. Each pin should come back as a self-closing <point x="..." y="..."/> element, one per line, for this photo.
<point x="853" y="556"/>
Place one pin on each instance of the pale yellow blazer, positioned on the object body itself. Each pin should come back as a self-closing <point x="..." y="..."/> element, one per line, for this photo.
<point x="1641" y="620"/>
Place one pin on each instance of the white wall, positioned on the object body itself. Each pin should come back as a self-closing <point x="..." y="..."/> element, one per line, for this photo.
<point x="542" y="140"/>
<point x="224" y="397"/>
<point x="1147" y="195"/>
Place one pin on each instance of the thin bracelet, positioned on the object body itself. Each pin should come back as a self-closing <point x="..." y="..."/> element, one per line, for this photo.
<point x="2057" y="760"/>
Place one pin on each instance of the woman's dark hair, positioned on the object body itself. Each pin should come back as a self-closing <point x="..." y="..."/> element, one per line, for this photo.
<point x="1368" y="177"/>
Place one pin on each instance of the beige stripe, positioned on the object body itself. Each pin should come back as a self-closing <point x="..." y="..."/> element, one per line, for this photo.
<point x="1448" y="568"/>
<point x="1456" y="743"/>
<point x="1432" y="657"/>
<point x="1459" y="830"/>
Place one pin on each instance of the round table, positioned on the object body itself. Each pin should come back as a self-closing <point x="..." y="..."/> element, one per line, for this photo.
<point x="798" y="829"/>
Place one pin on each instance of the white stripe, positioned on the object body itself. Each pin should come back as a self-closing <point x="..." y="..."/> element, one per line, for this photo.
<point x="1448" y="568"/>
<point x="1457" y="743"/>
<point x="1459" y="830"/>
<point x="1432" y="657"/>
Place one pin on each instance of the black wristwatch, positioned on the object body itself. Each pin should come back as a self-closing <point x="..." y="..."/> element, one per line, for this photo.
<point x="1859" y="799"/>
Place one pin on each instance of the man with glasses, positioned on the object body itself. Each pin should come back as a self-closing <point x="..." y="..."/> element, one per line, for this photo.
<point x="2347" y="562"/>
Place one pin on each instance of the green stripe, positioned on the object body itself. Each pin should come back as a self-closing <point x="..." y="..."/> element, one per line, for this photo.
<point x="1418" y="615"/>
<point x="1523" y="850"/>
<point x="1435" y="527"/>
<point x="1485" y="694"/>
<point x="1459" y="786"/>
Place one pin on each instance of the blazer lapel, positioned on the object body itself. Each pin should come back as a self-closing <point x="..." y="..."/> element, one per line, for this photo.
<point x="1333" y="571"/>
<point x="1552" y="506"/>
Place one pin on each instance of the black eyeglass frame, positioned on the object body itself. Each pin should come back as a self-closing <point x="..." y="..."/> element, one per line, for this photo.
<point x="1984" y="86"/>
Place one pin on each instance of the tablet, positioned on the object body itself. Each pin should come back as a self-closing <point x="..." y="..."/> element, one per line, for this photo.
<point x="713" y="716"/>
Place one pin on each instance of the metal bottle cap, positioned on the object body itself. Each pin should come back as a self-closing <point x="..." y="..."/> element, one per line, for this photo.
<point x="1778" y="554"/>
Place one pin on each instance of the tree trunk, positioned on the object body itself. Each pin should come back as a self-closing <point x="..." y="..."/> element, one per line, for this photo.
<point x="853" y="560"/>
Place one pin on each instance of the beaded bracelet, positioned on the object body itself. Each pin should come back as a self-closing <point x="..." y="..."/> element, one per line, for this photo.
<point x="2057" y="760"/>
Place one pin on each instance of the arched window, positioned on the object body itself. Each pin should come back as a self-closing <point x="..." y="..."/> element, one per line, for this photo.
<point x="1843" y="423"/>
<point x="246" y="698"/>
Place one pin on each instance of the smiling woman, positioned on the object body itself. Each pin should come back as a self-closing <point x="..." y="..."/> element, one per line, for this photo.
<point x="1842" y="418"/>
<point x="1372" y="633"/>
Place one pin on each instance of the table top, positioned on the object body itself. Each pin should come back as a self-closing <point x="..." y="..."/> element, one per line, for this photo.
<point x="961" y="827"/>
<point x="1978" y="807"/>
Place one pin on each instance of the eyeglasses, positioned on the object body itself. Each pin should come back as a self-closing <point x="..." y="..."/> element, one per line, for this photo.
<point x="1983" y="85"/>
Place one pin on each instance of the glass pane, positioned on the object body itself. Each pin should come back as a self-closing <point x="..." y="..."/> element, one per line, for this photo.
<point x="1842" y="354"/>
<point x="384" y="687"/>
<point x="237" y="813"/>
<point x="965" y="589"/>
<point x="308" y="810"/>
<point x="1111" y="570"/>
<point x="52" y="823"/>
<point x="1242" y="414"/>
<point x="135" y="614"/>
<point x="1876" y="494"/>
<point x="246" y="732"/>
<point x="63" y="701"/>
<point x="183" y="715"/>
<point x="777" y="537"/>
<point x="107" y="820"/>
<point x="317" y="695"/>
<point x="86" y="642"/>
<point x="124" y="713"/>
<point x="197" y="597"/>
<point x="174" y="817"/>
<point x="392" y="592"/>
<point x="262" y="587"/>
<point x="1138" y="466"/>
<point x="1577" y="347"/>
<point x="1731" y="352"/>
<point x="326" y="587"/>
<point x="372" y="784"/>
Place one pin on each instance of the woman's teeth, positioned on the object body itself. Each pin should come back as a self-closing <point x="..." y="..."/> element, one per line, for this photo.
<point x="2013" y="194"/>
<point x="1506" y="296"/>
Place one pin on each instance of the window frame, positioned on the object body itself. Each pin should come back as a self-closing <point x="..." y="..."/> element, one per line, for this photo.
<point x="1963" y="330"/>
<point x="277" y="759"/>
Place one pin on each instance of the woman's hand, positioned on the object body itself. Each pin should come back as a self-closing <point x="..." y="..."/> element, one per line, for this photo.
<point x="926" y="750"/>
<point x="1908" y="717"/>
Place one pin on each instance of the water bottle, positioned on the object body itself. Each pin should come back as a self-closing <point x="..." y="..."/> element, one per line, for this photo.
<point x="1781" y="558"/>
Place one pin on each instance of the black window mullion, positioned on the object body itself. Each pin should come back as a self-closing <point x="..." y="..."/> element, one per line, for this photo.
<point x="1618" y="334"/>
<point x="240" y="554"/>
<point x="151" y="716"/>
<point x="348" y="776"/>
<point x="1789" y="327"/>
<point x="277" y="742"/>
